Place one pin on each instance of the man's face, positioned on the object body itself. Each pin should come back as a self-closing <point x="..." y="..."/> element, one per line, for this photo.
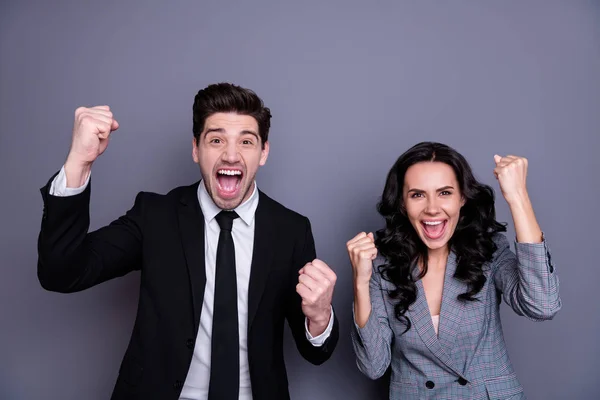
<point x="229" y="152"/>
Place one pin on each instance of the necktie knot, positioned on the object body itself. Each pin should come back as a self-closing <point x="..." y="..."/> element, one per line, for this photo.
<point x="225" y="219"/>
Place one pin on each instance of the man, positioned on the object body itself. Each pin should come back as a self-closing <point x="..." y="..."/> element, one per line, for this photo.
<point x="222" y="264"/>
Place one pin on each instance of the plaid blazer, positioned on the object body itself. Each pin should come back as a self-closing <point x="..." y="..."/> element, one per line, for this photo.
<point x="468" y="359"/>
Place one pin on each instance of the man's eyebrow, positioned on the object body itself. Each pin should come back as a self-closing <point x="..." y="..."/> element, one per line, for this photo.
<point x="209" y="130"/>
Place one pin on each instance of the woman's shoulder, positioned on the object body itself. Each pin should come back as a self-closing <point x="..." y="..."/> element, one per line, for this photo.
<point x="500" y="240"/>
<point x="379" y="260"/>
<point x="502" y="246"/>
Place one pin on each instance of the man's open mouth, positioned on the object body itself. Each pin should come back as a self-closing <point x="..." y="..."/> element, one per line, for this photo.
<point x="228" y="181"/>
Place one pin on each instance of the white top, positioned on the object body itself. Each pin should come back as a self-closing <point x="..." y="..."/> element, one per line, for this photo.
<point x="198" y="377"/>
<point x="436" y="322"/>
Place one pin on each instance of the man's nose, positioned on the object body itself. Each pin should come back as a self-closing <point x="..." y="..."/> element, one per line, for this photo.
<point x="231" y="153"/>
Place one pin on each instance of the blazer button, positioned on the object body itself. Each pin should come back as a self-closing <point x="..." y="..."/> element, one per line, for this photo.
<point x="178" y="385"/>
<point x="189" y="343"/>
<point x="462" y="381"/>
<point x="430" y="385"/>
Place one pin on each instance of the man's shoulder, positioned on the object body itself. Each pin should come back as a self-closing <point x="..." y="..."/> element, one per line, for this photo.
<point x="180" y="194"/>
<point x="278" y="210"/>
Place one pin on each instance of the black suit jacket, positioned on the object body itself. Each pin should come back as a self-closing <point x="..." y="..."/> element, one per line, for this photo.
<point x="163" y="236"/>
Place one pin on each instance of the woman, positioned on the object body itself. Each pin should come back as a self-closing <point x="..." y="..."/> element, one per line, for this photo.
<point x="428" y="304"/>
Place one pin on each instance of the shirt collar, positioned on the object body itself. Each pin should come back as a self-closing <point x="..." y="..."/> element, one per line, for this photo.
<point x="246" y="210"/>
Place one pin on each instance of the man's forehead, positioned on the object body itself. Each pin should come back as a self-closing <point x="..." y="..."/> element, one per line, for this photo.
<point x="231" y="121"/>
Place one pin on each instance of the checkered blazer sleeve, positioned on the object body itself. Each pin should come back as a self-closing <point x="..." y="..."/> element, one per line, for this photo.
<point x="527" y="278"/>
<point x="372" y="342"/>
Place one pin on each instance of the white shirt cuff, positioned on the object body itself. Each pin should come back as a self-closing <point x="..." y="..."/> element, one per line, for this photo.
<point x="319" y="340"/>
<point x="59" y="185"/>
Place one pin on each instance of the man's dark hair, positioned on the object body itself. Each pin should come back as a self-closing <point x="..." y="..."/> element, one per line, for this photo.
<point x="225" y="98"/>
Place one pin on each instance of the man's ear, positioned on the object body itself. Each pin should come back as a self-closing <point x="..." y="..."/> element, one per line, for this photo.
<point x="264" y="154"/>
<point x="195" y="151"/>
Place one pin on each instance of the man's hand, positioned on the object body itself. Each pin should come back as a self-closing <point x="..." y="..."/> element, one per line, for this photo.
<point x="91" y="132"/>
<point x="316" y="282"/>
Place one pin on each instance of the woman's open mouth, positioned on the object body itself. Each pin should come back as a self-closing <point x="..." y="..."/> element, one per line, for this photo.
<point x="434" y="229"/>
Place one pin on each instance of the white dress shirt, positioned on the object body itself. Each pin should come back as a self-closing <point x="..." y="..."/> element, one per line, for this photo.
<point x="198" y="377"/>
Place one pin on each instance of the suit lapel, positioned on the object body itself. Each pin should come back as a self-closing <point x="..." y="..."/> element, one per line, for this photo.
<point x="420" y="317"/>
<point x="262" y="255"/>
<point x="452" y="309"/>
<point x="191" y="229"/>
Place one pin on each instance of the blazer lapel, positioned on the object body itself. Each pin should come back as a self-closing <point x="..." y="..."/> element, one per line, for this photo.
<point x="451" y="313"/>
<point x="191" y="229"/>
<point x="420" y="317"/>
<point x="265" y="238"/>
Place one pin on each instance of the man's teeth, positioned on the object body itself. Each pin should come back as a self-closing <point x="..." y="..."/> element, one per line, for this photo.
<point x="432" y="222"/>
<point x="229" y="172"/>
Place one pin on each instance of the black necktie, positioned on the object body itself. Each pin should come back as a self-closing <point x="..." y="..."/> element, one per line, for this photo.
<point x="225" y="353"/>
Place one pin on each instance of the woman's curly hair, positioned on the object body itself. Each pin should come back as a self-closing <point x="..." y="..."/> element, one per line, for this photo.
<point x="399" y="243"/>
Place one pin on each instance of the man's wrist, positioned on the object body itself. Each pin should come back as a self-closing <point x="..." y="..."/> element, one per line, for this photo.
<point x="318" y="324"/>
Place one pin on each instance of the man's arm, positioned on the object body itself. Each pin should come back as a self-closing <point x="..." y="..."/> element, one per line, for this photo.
<point x="69" y="258"/>
<point x="318" y="350"/>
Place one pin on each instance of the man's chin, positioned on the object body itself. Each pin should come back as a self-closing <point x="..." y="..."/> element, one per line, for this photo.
<point x="226" y="202"/>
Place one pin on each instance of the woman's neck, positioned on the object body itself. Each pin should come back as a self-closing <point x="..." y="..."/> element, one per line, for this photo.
<point x="437" y="258"/>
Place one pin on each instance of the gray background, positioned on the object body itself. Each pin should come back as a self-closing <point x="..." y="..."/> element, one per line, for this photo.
<point x="351" y="86"/>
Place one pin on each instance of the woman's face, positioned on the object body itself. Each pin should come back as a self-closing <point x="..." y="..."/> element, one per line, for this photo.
<point x="433" y="201"/>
